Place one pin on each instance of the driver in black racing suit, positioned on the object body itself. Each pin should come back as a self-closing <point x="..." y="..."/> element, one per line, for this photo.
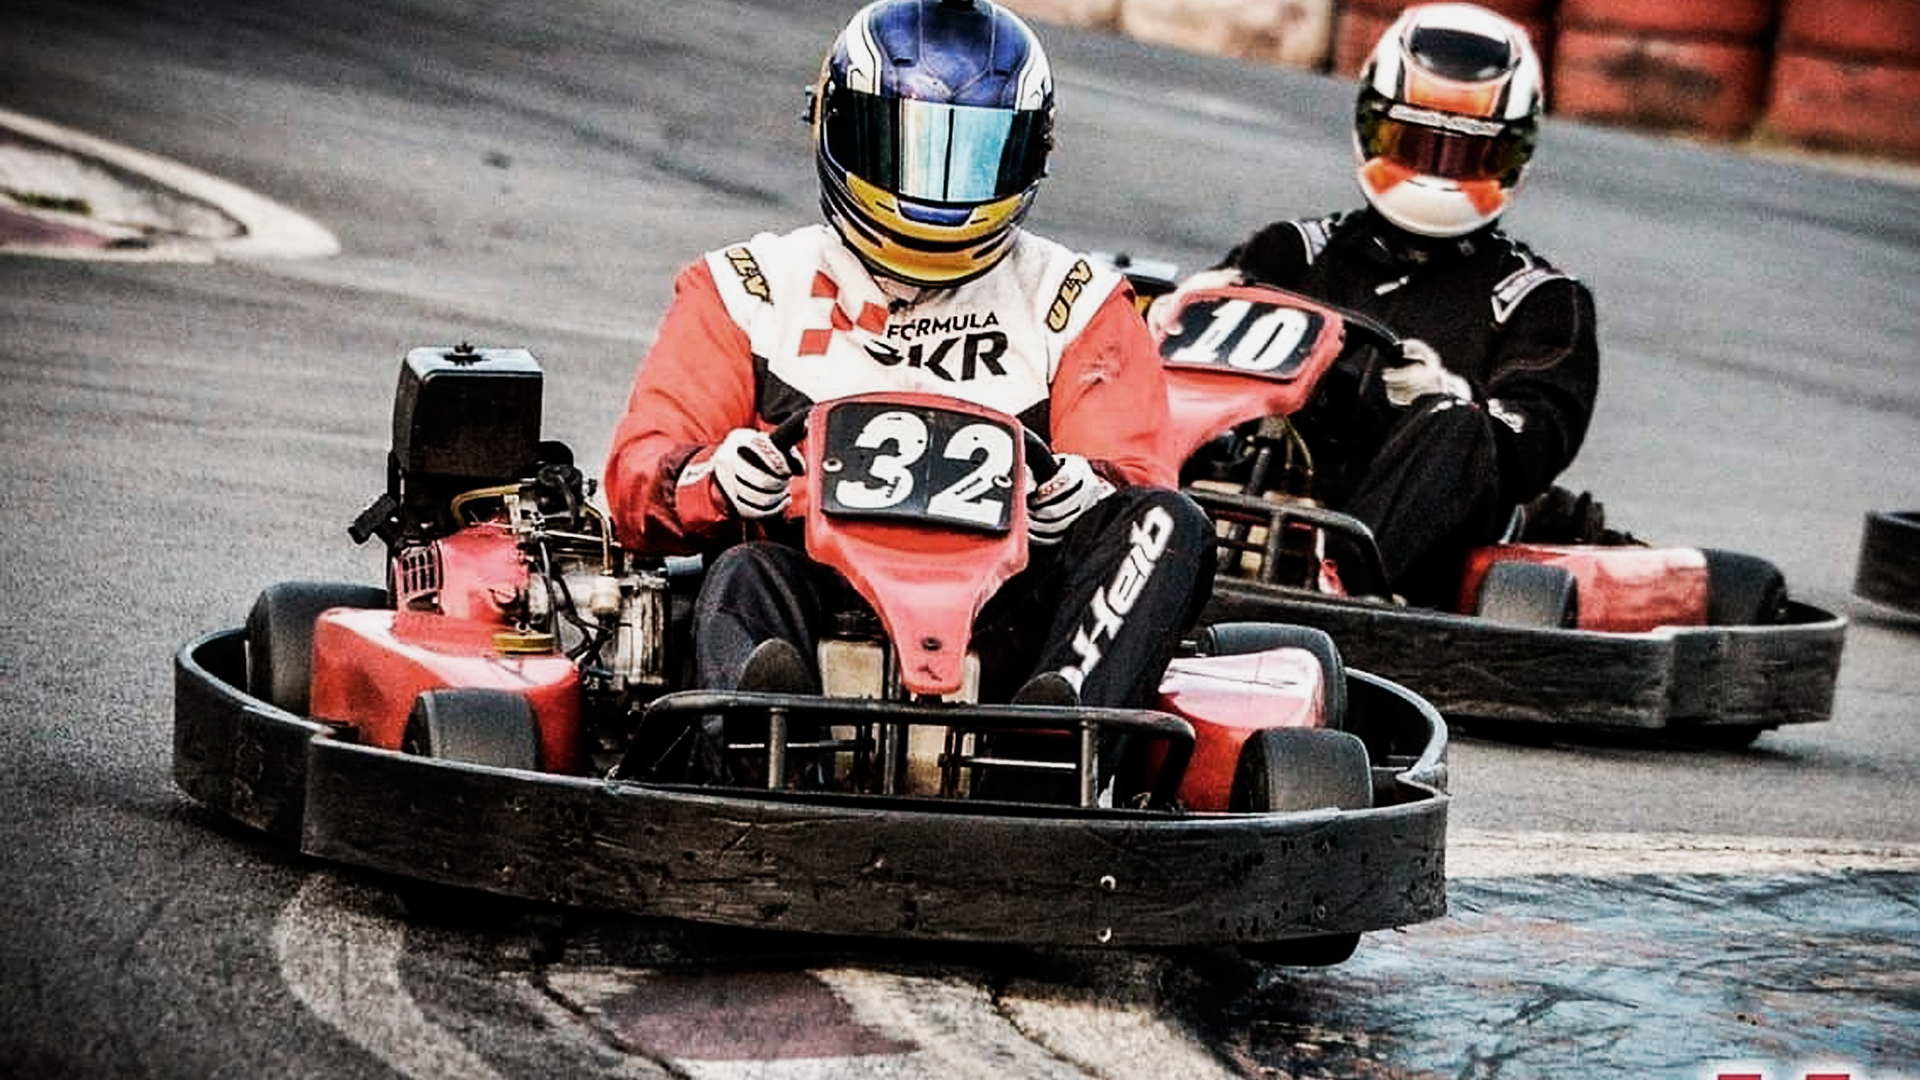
<point x="1492" y="397"/>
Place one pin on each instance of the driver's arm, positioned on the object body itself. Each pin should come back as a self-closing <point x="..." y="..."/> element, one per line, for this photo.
<point x="695" y="385"/>
<point x="1109" y="398"/>
<point x="1540" y="386"/>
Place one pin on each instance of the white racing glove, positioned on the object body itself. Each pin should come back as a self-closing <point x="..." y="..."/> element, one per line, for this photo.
<point x="1420" y="375"/>
<point x="752" y="473"/>
<point x="1055" y="505"/>
<point x="1160" y="312"/>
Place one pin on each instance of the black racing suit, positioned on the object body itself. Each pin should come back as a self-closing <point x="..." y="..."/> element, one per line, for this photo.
<point x="1440" y="476"/>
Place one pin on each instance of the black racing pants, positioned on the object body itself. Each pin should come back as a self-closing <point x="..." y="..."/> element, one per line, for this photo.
<point x="1430" y="491"/>
<point x="1105" y="607"/>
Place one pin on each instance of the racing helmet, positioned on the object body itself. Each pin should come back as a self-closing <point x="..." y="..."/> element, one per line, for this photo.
<point x="1450" y="101"/>
<point x="932" y="121"/>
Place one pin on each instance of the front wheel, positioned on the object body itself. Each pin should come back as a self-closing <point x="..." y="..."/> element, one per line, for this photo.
<point x="1516" y="593"/>
<point x="475" y="726"/>
<point x="1284" y="769"/>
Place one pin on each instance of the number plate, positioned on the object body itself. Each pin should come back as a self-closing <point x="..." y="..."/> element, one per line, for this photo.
<point x="884" y="460"/>
<point x="1245" y="336"/>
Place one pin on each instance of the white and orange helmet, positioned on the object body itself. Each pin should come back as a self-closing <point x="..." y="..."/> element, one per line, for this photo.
<point x="1450" y="101"/>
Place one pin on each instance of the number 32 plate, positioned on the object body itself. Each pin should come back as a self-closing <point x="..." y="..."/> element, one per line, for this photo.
<point x="920" y="463"/>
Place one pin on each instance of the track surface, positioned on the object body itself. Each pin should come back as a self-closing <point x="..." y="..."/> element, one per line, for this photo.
<point x="179" y="436"/>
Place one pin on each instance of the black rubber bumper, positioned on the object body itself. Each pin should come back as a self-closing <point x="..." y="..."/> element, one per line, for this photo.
<point x="1889" y="567"/>
<point x="1680" y="677"/>
<point x="838" y="865"/>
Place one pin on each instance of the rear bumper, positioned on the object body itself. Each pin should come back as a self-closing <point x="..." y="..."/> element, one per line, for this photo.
<point x="1725" y="676"/>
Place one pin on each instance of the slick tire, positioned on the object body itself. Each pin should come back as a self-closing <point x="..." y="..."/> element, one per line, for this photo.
<point x="280" y="636"/>
<point x="1239" y="638"/>
<point x="1529" y="594"/>
<point x="1743" y="590"/>
<point x="1284" y="769"/>
<point x="473" y="725"/>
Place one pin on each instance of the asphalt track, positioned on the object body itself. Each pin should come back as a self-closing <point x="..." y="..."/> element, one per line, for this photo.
<point x="180" y="433"/>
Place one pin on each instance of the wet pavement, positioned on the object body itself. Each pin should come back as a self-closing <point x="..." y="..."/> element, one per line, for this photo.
<point x="1671" y="976"/>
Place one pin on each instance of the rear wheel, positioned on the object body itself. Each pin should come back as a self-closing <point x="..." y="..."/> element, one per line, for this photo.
<point x="1517" y="593"/>
<point x="1743" y="590"/>
<point x="1302" y="769"/>
<point x="476" y="726"/>
<point x="280" y="636"/>
<point x="1238" y="638"/>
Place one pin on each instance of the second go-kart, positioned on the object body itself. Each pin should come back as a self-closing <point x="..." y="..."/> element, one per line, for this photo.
<point x="1600" y="632"/>
<point x="508" y="713"/>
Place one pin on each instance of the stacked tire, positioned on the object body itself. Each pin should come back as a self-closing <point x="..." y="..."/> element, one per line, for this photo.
<point x="1846" y="76"/>
<point x="1696" y="67"/>
<point x="1358" y="26"/>
<point x="1290" y="33"/>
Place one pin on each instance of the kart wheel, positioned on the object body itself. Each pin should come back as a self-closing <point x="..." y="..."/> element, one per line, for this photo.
<point x="1302" y="769"/>
<point x="1320" y="950"/>
<point x="1532" y="594"/>
<point x="280" y="636"/>
<point x="476" y="726"/>
<point x="1237" y="638"/>
<point x="1287" y="769"/>
<point x="1743" y="590"/>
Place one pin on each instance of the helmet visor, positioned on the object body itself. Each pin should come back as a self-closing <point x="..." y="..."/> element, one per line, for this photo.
<point x="934" y="152"/>
<point x="1443" y="144"/>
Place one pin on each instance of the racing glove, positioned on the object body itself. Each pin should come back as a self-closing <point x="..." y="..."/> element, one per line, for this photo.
<point x="752" y="473"/>
<point x="1421" y="374"/>
<point x="1160" y="312"/>
<point x="1053" y="506"/>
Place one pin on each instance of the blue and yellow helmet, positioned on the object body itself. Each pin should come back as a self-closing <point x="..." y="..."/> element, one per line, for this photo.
<point x="932" y="122"/>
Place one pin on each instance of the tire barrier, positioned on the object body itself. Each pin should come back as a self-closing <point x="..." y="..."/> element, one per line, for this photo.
<point x="1889" y="568"/>
<point x="1692" y="66"/>
<point x="1846" y="76"/>
<point x="1294" y="33"/>
<point x="1825" y="74"/>
<point x="1358" y="25"/>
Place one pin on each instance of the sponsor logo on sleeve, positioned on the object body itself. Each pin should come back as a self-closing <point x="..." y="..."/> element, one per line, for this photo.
<point x="751" y="279"/>
<point x="1061" y="309"/>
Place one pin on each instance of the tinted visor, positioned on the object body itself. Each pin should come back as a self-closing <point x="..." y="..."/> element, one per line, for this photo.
<point x="932" y="152"/>
<point x="1443" y="144"/>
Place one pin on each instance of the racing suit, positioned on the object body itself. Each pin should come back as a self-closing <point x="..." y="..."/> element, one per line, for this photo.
<point x="1442" y="474"/>
<point x="763" y="329"/>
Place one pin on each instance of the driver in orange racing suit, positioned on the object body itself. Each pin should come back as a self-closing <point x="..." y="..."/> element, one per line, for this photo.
<point x="932" y="124"/>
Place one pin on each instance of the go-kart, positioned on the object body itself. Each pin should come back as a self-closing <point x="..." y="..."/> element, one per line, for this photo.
<point x="510" y="713"/>
<point x="1557" y="625"/>
<point x="1887" y="571"/>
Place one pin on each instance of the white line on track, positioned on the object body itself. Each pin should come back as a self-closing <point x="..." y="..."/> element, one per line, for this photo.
<point x="344" y="965"/>
<point x="271" y="230"/>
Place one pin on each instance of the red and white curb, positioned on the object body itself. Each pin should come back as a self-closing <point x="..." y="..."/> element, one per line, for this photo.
<point x="167" y="211"/>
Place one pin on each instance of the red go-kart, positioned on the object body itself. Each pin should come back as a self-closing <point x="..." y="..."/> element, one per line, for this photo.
<point x="1604" y="632"/>
<point x="509" y="713"/>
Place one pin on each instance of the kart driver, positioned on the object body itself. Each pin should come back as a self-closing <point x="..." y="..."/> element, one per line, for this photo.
<point x="932" y="122"/>
<point x="1492" y="397"/>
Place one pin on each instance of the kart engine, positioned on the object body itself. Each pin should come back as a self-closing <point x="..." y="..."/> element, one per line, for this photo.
<point x="482" y="520"/>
